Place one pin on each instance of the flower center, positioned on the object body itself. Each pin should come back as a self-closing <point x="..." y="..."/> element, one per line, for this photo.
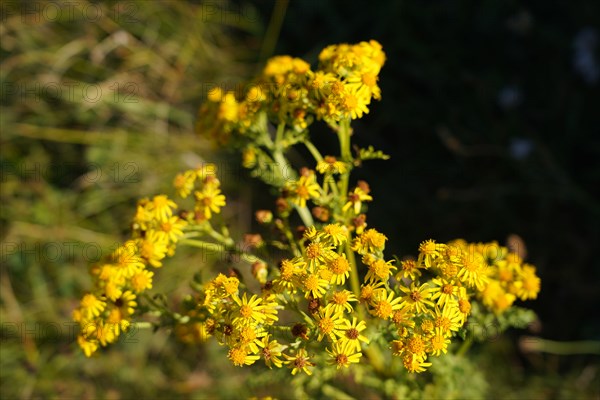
<point x="415" y="296"/>
<point x="352" y="333"/>
<point x="312" y="282"/>
<point x="246" y="311"/>
<point x="313" y="251"/>
<point x="383" y="309"/>
<point x="326" y="325"/>
<point x="341" y="359"/>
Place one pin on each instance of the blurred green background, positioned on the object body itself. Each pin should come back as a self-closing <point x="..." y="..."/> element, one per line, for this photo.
<point x="490" y="113"/>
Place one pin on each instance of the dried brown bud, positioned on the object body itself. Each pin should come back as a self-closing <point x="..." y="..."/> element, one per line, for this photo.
<point x="260" y="271"/>
<point x="300" y="330"/>
<point x="264" y="216"/>
<point x="313" y="305"/>
<point x="321" y="213"/>
<point x="360" y="221"/>
<point x="305" y="172"/>
<point x="252" y="241"/>
<point x="364" y="186"/>
<point x="282" y="205"/>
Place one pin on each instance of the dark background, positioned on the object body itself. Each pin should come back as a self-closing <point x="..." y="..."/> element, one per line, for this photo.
<point x="492" y="130"/>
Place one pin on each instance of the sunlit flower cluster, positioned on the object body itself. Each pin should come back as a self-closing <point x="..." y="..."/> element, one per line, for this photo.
<point x="106" y="312"/>
<point x="324" y="292"/>
<point x="289" y="91"/>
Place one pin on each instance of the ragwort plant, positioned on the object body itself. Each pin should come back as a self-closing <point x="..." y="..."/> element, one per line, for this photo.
<point x="326" y="295"/>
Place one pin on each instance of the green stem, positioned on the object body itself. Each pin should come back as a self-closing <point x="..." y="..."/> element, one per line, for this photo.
<point x="143" y="325"/>
<point x="465" y="346"/>
<point x="305" y="215"/>
<point x="273" y="30"/>
<point x="343" y="133"/>
<point x="539" y="345"/>
<point x="220" y="248"/>
<point x="313" y="150"/>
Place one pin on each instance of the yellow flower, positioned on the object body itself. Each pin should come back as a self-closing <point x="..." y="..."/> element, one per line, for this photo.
<point x="531" y="283"/>
<point x="429" y="250"/>
<point x="271" y="351"/>
<point x="249" y="311"/>
<point x="410" y="270"/>
<point x="127" y="260"/>
<point x="153" y="248"/>
<point x="171" y="230"/>
<point x="342" y="354"/>
<point x="417" y="297"/>
<point x="289" y="275"/>
<point x="444" y="290"/>
<point x="414" y="363"/>
<point x="340" y="301"/>
<point x="371" y="290"/>
<point x="126" y="303"/>
<point x="370" y="241"/>
<point x="113" y="289"/>
<point x="270" y="309"/>
<point x="340" y="269"/>
<point x="299" y="362"/>
<point x="141" y="281"/>
<point x="439" y="344"/>
<point x="319" y="253"/>
<point x="334" y="233"/>
<point x="403" y="317"/>
<point x="209" y="200"/>
<point x="91" y="306"/>
<point x="415" y="345"/>
<point x="250" y="336"/>
<point x="320" y="84"/>
<point x="314" y="286"/>
<point x="353" y="105"/>
<point x="352" y="333"/>
<point x="304" y="189"/>
<point x="184" y="183"/>
<point x="330" y="165"/>
<point x="472" y="271"/>
<point x="228" y="108"/>
<point x="161" y="207"/>
<point x="88" y="346"/>
<point x="143" y="217"/>
<point x="355" y="200"/>
<point x="329" y="324"/>
<point x="447" y="320"/>
<point x="241" y="356"/>
<point x="383" y="307"/>
<point x="379" y="270"/>
<point x="464" y="309"/>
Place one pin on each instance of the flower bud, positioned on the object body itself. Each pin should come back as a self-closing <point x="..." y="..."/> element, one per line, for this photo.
<point x="264" y="216"/>
<point x="260" y="271"/>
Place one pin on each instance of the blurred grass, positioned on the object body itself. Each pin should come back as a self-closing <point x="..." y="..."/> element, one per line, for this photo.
<point x="98" y="110"/>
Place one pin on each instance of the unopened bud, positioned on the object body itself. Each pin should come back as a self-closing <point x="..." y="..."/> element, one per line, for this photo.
<point x="260" y="271"/>
<point x="321" y="213"/>
<point x="264" y="216"/>
<point x="364" y="186"/>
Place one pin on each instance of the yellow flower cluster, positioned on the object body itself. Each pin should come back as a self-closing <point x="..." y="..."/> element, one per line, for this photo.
<point x="334" y="295"/>
<point x="245" y="322"/>
<point x="289" y="91"/>
<point x="426" y="301"/>
<point x="500" y="275"/>
<point x="236" y="320"/>
<point x="106" y="312"/>
<point x="428" y="313"/>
